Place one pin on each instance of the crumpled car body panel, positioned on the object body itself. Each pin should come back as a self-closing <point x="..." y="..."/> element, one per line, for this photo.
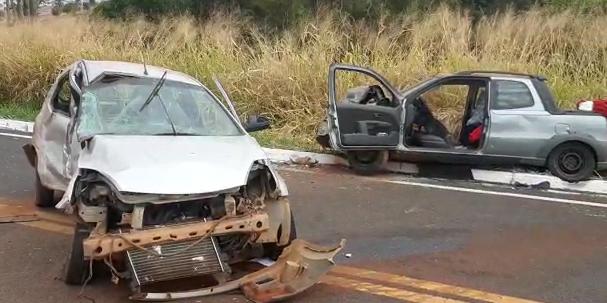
<point x="299" y="267"/>
<point x="172" y="165"/>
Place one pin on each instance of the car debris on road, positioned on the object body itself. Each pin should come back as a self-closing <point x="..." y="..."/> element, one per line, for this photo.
<point x="166" y="184"/>
<point x="508" y="118"/>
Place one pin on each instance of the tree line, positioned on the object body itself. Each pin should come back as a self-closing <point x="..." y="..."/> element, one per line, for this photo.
<point x="281" y="12"/>
<point x="18" y="9"/>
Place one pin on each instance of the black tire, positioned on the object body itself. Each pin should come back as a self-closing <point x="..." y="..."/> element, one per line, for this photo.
<point x="76" y="269"/>
<point x="272" y="250"/>
<point x="572" y="162"/>
<point x="367" y="162"/>
<point x="44" y="196"/>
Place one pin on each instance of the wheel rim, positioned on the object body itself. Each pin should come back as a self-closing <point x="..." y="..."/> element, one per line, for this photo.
<point x="366" y="157"/>
<point x="571" y="162"/>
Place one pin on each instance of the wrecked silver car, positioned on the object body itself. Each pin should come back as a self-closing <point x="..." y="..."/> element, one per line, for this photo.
<point x="504" y="118"/>
<point x="165" y="184"/>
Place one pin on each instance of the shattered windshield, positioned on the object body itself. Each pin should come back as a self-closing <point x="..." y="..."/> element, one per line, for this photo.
<point x="114" y="105"/>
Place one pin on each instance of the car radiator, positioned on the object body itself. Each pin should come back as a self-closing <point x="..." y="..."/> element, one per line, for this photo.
<point x="200" y="259"/>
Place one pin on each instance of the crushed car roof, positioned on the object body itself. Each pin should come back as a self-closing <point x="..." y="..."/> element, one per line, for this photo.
<point x="95" y="69"/>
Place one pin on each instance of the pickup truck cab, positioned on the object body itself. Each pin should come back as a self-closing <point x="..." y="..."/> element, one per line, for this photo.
<point x="504" y="118"/>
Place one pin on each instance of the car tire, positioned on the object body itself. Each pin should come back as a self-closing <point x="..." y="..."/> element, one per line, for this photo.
<point x="273" y="250"/>
<point x="44" y="197"/>
<point x="572" y="162"/>
<point x="76" y="269"/>
<point x="367" y="162"/>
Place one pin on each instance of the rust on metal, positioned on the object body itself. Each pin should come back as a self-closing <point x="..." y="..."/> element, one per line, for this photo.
<point x="101" y="245"/>
<point x="300" y="266"/>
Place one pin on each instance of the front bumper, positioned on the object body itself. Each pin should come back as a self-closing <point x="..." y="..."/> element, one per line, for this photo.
<point x="99" y="246"/>
<point x="300" y="266"/>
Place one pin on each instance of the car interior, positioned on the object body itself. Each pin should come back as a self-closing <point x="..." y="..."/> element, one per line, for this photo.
<point x="368" y="116"/>
<point x="424" y="129"/>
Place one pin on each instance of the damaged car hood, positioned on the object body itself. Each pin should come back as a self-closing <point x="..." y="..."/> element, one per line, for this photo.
<point x="172" y="164"/>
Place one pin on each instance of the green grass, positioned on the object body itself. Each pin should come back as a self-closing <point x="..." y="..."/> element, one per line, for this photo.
<point x="274" y="138"/>
<point x="19" y="111"/>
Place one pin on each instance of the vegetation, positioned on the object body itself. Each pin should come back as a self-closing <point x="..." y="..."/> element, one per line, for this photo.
<point x="280" y="13"/>
<point x="283" y="74"/>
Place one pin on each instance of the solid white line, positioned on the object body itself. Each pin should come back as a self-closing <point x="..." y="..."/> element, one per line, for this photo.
<point x="15" y="135"/>
<point x="497" y="193"/>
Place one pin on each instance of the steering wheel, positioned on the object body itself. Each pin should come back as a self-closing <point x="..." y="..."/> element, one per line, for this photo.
<point x="375" y="95"/>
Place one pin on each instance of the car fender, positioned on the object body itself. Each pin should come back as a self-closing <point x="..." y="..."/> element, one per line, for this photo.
<point x="598" y="148"/>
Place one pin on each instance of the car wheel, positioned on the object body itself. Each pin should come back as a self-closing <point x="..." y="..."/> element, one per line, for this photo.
<point x="572" y="162"/>
<point x="367" y="162"/>
<point x="76" y="269"/>
<point x="44" y="196"/>
<point x="272" y="250"/>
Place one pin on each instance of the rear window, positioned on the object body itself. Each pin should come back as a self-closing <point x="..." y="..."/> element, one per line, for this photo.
<point x="511" y="94"/>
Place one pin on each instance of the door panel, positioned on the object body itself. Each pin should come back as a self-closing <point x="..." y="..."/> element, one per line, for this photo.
<point x="368" y="125"/>
<point x="55" y="134"/>
<point x="519" y="125"/>
<point x="356" y="125"/>
<point x="518" y="133"/>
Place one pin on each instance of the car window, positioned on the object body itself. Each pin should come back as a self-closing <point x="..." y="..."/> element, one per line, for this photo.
<point x="63" y="97"/>
<point x="114" y="106"/>
<point x="511" y="94"/>
<point x="356" y="87"/>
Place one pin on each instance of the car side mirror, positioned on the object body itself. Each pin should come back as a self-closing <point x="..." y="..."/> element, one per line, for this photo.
<point x="256" y="123"/>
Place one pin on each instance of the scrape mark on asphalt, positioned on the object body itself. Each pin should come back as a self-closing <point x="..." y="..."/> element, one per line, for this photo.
<point x="48" y="220"/>
<point x="50" y="226"/>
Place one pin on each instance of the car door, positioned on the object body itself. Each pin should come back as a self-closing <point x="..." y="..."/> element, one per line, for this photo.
<point x="519" y="124"/>
<point x="53" y="134"/>
<point x="355" y="126"/>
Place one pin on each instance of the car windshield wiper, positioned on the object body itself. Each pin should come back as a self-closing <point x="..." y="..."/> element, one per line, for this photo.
<point x="154" y="91"/>
<point x="177" y="134"/>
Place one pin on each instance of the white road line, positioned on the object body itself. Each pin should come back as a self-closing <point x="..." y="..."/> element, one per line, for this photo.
<point x="497" y="193"/>
<point x="15" y="135"/>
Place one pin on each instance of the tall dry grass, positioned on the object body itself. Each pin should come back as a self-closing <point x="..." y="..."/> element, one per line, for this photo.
<point x="284" y="76"/>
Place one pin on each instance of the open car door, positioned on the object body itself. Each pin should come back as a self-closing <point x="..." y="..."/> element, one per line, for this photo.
<point x="368" y="117"/>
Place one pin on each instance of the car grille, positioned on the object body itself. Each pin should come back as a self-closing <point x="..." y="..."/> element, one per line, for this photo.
<point x="200" y="259"/>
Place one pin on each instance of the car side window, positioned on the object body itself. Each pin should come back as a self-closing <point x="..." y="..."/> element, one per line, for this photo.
<point x="63" y="97"/>
<point x="511" y="95"/>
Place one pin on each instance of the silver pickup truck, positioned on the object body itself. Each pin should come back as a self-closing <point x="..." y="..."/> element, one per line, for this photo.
<point x="506" y="119"/>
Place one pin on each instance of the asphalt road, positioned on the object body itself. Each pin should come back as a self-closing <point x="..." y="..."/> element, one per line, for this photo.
<point x="410" y="240"/>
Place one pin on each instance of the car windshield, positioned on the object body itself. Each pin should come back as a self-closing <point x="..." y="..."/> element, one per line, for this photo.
<point x="114" y="105"/>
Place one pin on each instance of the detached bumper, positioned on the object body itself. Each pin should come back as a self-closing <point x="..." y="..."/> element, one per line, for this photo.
<point x="300" y="266"/>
